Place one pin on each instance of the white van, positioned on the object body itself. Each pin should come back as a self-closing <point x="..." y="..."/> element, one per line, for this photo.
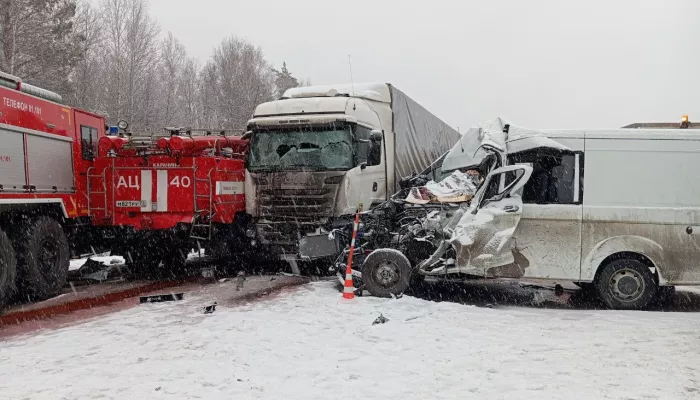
<point x="618" y="210"/>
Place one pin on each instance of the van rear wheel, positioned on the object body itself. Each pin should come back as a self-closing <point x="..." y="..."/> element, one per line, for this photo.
<point x="626" y="284"/>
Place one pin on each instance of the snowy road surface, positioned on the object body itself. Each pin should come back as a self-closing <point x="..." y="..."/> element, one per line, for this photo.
<point x="307" y="344"/>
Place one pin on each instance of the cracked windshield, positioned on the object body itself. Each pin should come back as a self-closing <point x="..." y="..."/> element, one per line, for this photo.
<point x="324" y="148"/>
<point x="310" y="199"/>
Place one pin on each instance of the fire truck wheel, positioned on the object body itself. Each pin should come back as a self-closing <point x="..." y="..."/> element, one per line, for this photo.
<point x="43" y="257"/>
<point x="8" y="269"/>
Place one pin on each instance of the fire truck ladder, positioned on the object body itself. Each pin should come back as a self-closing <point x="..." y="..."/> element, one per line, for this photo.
<point x="197" y="225"/>
<point x="90" y="192"/>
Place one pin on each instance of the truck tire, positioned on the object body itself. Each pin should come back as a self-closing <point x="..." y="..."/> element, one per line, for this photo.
<point x="8" y="270"/>
<point x="386" y="272"/>
<point x="626" y="284"/>
<point x="43" y="258"/>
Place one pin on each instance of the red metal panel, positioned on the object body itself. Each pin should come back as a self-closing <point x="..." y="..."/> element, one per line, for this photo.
<point x="25" y="111"/>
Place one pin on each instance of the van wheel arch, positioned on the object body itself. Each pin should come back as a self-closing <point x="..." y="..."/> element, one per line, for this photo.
<point x="630" y="255"/>
<point x="613" y="248"/>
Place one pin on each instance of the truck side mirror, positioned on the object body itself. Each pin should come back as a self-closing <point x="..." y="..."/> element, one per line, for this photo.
<point x="376" y="135"/>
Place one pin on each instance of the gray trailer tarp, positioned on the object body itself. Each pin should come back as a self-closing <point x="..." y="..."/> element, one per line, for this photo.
<point x="421" y="137"/>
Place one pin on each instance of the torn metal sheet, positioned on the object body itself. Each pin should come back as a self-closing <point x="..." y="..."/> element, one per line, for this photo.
<point x="497" y="136"/>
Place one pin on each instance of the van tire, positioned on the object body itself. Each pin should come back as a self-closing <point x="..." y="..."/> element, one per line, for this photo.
<point x="43" y="258"/>
<point x="626" y="284"/>
<point x="8" y="270"/>
<point x="386" y="272"/>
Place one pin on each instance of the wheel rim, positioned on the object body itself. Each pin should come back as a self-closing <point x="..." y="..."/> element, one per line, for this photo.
<point x="627" y="285"/>
<point x="49" y="255"/>
<point x="387" y="274"/>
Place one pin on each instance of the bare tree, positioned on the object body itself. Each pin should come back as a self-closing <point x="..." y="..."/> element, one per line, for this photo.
<point x="236" y="79"/>
<point x="172" y="60"/>
<point x="38" y="42"/>
<point x="86" y="79"/>
<point x="304" y="82"/>
<point x="189" y="85"/>
<point x="131" y="58"/>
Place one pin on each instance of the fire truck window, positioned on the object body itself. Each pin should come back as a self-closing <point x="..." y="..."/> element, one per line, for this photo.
<point x="88" y="139"/>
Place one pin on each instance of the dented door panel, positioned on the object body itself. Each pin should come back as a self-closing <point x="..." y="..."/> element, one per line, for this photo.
<point x="483" y="238"/>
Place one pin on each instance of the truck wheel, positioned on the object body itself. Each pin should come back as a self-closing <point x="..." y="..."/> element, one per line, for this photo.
<point x="8" y="270"/>
<point x="43" y="258"/>
<point x="626" y="284"/>
<point x="386" y="272"/>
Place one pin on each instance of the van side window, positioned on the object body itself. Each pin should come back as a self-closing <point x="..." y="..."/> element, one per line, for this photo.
<point x="553" y="177"/>
<point x="88" y="142"/>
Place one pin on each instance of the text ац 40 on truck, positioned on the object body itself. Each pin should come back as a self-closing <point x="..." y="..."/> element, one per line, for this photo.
<point x="169" y="194"/>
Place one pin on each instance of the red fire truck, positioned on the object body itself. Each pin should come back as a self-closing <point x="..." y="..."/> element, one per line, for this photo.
<point x="168" y="194"/>
<point x="66" y="187"/>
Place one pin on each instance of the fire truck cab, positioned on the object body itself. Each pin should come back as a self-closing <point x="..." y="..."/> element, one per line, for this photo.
<point x="46" y="151"/>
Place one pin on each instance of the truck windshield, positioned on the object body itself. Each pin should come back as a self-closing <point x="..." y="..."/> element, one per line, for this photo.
<point x="328" y="147"/>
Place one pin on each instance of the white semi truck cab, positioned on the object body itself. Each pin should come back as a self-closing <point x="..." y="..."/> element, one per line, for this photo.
<point x="320" y="153"/>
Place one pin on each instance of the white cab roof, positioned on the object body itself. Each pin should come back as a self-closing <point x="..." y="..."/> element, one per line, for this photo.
<point x="370" y="91"/>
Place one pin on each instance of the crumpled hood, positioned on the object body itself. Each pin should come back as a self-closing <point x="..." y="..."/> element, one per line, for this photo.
<point x="487" y="137"/>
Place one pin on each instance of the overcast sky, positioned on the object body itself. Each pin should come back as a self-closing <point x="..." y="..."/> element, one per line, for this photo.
<point x="539" y="63"/>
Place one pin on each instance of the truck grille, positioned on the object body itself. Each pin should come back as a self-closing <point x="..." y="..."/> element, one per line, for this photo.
<point x="286" y="215"/>
<point x="294" y="203"/>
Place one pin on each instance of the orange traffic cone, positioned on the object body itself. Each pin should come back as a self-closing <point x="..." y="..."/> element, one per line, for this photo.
<point x="349" y="288"/>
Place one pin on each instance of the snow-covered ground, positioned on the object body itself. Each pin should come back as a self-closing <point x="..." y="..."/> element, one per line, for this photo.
<point x="308" y="344"/>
